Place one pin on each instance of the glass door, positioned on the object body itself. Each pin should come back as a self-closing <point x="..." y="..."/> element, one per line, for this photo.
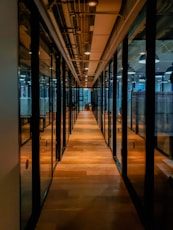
<point x="25" y="114"/>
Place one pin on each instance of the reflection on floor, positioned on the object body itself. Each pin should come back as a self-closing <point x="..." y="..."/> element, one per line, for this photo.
<point x="87" y="191"/>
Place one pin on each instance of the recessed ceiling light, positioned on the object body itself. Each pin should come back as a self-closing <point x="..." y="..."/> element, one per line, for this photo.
<point x="87" y="53"/>
<point x="92" y="2"/>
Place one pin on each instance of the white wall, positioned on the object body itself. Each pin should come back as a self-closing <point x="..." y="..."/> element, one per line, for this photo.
<point x="9" y="147"/>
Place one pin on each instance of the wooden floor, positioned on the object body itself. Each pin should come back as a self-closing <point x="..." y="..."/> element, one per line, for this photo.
<point x="87" y="192"/>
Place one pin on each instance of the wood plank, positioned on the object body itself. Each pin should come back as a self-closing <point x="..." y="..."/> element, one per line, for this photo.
<point x="87" y="191"/>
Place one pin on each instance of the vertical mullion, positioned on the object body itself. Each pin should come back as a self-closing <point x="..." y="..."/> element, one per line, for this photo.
<point x="150" y="111"/>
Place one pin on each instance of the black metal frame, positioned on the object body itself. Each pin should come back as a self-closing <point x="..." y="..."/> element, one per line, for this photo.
<point x="150" y="113"/>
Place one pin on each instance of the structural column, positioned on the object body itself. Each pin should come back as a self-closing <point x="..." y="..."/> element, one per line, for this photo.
<point x="9" y="127"/>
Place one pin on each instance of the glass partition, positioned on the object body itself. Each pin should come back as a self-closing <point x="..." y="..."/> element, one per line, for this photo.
<point x="110" y="122"/>
<point x="73" y="105"/>
<point x="62" y="114"/>
<point x="54" y="108"/>
<point x="46" y="111"/>
<point x="99" y="102"/>
<point x="95" y="101"/>
<point x="67" y="115"/>
<point x="103" y="105"/>
<point x="136" y="106"/>
<point x="119" y="107"/>
<point x="81" y="104"/>
<point x="106" y="103"/>
<point x="25" y="114"/>
<point x="163" y="118"/>
<point x="85" y="99"/>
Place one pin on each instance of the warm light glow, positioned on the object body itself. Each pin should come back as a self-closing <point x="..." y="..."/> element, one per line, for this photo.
<point x="87" y="53"/>
<point x="92" y="3"/>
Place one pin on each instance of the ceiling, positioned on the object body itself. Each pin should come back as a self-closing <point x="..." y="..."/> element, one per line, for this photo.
<point x="74" y="25"/>
<point x="81" y="27"/>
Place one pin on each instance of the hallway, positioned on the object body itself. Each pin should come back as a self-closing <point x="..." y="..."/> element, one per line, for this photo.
<point x="87" y="191"/>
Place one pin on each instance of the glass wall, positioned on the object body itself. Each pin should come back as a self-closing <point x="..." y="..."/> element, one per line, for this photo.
<point x="95" y="101"/>
<point x="110" y="106"/>
<point x="47" y="109"/>
<point x="103" y="103"/>
<point x="106" y="102"/>
<point x="84" y="99"/>
<point x="136" y="106"/>
<point x="119" y="107"/>
<point x="62" y="80"/>
<point x="73" y="106"/>
<point x="54" y="107"/>
<point x="67" y="105"/>
<point x="164" y="83"/>
<point x="99" y="102"/>
<point x="25" y="113"/>
<point x="163" y="196"/>
<point x="47" y="91"/>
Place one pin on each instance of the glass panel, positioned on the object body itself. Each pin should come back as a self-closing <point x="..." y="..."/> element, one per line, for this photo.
<point x="103" y="105"/>
<point x="45" y="113"/>
<point x="81" y="103"/>
<point x="96" y="101"/>
<point x="111" y="105"/>
<point x="99" y="101"/>
<point x="119" y="106"/>
<point x="136" y="106"/>
<point x="106" y="82"/>
<point x="163" y="118"/>
<point x="73" y="104"/>
<point x="25" y="100"/>
<point x="67" y="107"/>
<point x="54" y="109"/>
<point x="62" y="114"/>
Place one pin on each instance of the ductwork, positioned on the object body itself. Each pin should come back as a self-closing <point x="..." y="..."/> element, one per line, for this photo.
<point x="71" y="35"/>
<point x="49" y="19"/>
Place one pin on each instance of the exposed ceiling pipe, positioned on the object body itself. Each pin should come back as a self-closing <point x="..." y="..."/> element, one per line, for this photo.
<point x="95" y="13"/>
<point x="56" y="36"/>
<point x="71" y="35"/>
